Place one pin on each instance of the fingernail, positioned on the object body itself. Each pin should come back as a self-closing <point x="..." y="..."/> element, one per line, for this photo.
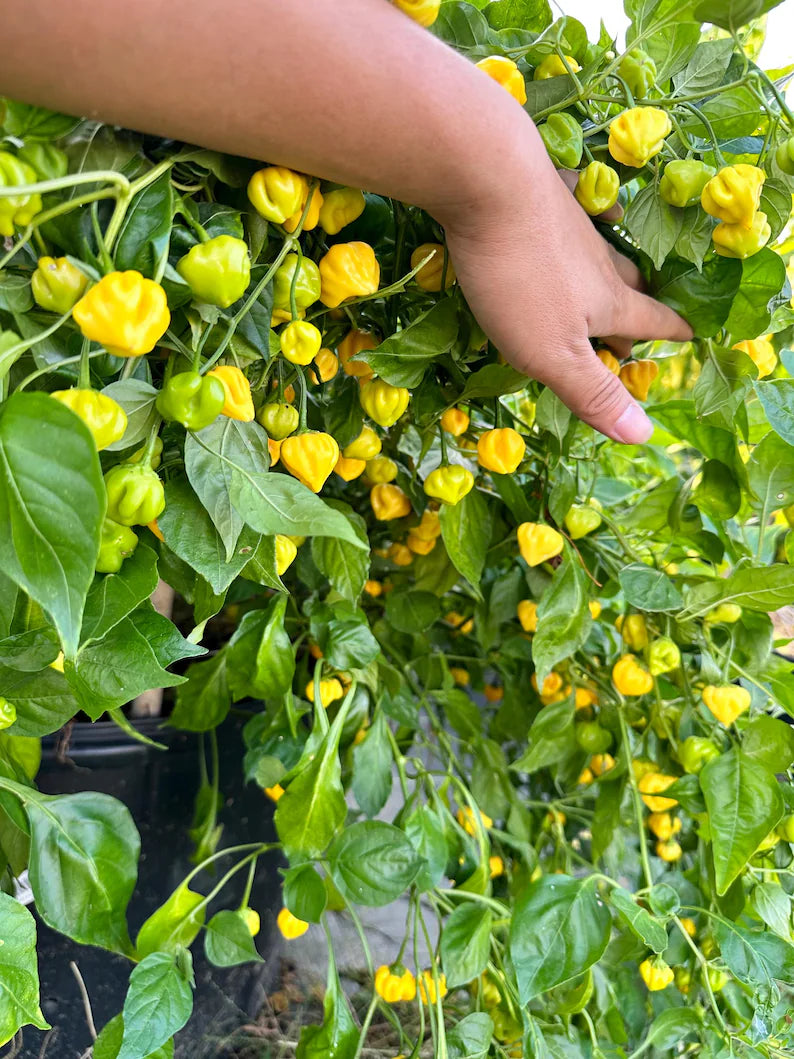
<point x="632" y="426"/>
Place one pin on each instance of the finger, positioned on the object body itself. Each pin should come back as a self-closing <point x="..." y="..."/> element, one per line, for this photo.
<point x="597" y="396"/>
<point x="621" y="347"/>
<point x="643" y="318"/>
<point x="626" y="269"/>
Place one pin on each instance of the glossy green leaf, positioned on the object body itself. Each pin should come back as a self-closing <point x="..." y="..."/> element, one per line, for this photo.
<point x="563" y="616"/>
<point x="372" y="863"/>
<point x="466" y="943"/>
<point x="228" y="941"/>
<point x="261" y="660"/>
<point x="19" y="973"/>
<point x="466" y="532"/>
<point x="159" y="1002"/>
<point x="403" y="358"/>
<point x="176" y="923"/>
<point x="648" y="588"/>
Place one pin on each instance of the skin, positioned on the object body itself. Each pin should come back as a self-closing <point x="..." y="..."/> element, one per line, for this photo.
<point x="355" y="92"/>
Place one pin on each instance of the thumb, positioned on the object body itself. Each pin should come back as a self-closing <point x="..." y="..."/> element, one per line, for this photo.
<point x="597" y="396"/>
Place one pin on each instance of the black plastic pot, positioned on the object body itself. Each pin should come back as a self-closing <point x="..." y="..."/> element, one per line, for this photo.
<point x="158" y="787"/>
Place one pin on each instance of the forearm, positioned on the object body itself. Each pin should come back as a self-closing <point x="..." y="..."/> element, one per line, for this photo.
<point x="349" y="90"/>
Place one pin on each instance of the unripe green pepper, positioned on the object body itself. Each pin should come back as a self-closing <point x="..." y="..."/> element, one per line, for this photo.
<point x="135" y="494"/>
<point x="786" y="828"/>
<point x="57" y="285"/>
<point x="307" y="286"/>
<point x="591" y="737"/>
<point x="16" y="209"/>
<point x="581" y="520"/>
<point x="638" y="70"/>
<point x="683" y="181"/>
<point x="279" y="420"/>
<point x="695" y="752"/>
<point x="191" y="399"/>
<point x="597" y="188"/>
<point x="217" y="271"/>
<point x="562" y="136"/>
<point x="663" y="656"/>
<point x="48" y="161"/>
<point x="723" y="614"/>
<point x="8" y="713"/>
<point x="784" y="156"/>
<point x="116" y="544"/>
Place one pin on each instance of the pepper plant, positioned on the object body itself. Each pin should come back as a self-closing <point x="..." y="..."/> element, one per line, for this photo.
<point x="409" y="566"/>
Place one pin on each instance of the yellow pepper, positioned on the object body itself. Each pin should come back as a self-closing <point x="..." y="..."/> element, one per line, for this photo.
<point x="276" y="192"/>
<point x="349" y="469"/>
<point x="650" y="785"/>
<point x="381" y="469"/>
<point x="553" y="66"/>
<point x="461" y="623"/>
<point x="57" y="284"/>
<point x="400" y="554"/>
<point x="584" y="698"/>
<point x="633" y="630"/>
<point x="310" y="458"/>
<point x="354" y="342"/>
<point x="630" y="678"/>
<point x="274" y="450"/>
<point x="669" y="851"/>
<point x="637" y="377"/>
<point x="348" y="270"/>
<point x="373" y="588"/>
<point x="429" y="526"/>
<point x="638" y="134"/>
<point x="734" y="240"/>
<point x="239" y="404"/>
<point x="275" y="792"/>
<point x="472" y="823"/>
<point x="538" y="543"/>
<point x="726" y="702"/>
<point x="460" y="676"/>
<point x="656" y="974"/>
<point x="286" y="551"/>
<point x="290" y="926"/>
<point x="425" y="12"/>
<point x="312" y="218"/>
<point x="689" y="926"/>
<point x="528" y="615"/>
<point x="449" y="483"/>
<point x="124" y="312"/>
<point x="664" y="825"/>
<point x="609" y="360"/>
<point x="595" y="609"/>
<point x="341" y="207"/>
<point x="330" y="691"/>
<point x="394" y="984"/>
<point x="500" y="450"/>
<point x="734" y="194"/>
<point x="106" y="419"/>
<point x="300" y="342"/>
<point x="493" y="692"/>
<point x="455" y="421"/>
<point x="597" y="188"/>
<point x="389" y="502"/>
<point x="601" y="763"/>
<point x="327" y="364"/>
<point x="724" y="613"/>
<point x="505" y="72"/>
<point x="365" y="447"/>
<point x="382" y="402"/>
<point x="551" y="685"/>
<point x="418" y="545"/>
<point x="429" y="275"/>
<point x="496" y="867"/>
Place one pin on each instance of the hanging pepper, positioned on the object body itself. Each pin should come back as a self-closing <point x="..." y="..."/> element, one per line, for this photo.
<point x="341" y="207"/>
<point x="327" y="364"/>
<point x="116" y="544"/>
<point x="279" y="420"/>
<point x="311" y="217"/>
<point x="734" y="194"/>
<point x="365" y="447"/>
<point x="609" y="360"/>
<point x="563" y="139"/>
<point x="735" y="240"/>
<point x="106" y="419"/>
<point x="348" y="270"/>
<point x="663" y="656"/>
<point x="382" y="402"/>
<point x="191" y="399"/>
<point x="290" y="926"/>
<point x="300" y="342"/>
<point x="638" y="134"/>
<point x="400" y="554"/>
<point x="683" y="181"/>
<point x="723" y="613"/>
<point x="637" y="377"/>
<point x="449" y="483"/>
<point x="656" y="974"/>
<point x="418" y="545"/>
<point x="276" y="192"/>
<point x="538" y="543"/>
<point x="16" y="210"/>
<point x="307" y="284"/>
<point x="784" y="156"/>
<point x="135" y="494"/>
<point x="528" y="615"/>
<point x="394" y="984"/>
<point x="217" y="271"/>
<point x="638" y="70"/>
<point x="354" y="342"/>
<point x="553" y="66"/>
<point x="695" y="752"/>
<point x="429" y="275"/>
<point x="597" y="188"/>
<point x="124" y="312"/>
<point x="310" y="458"/>
<point x="500" y="450"/>
<point x="381" y="469"/>
<point x="664" y="825"/>
<point x="581" y="520"/>
<point x="726" y="702"/>
<point x="505" y="72"/>
<point x="330" y="691"/>
<point x="238" y="404"/>
<point x="650" y="785"/>
<point x="274" y="451"/>
<point x="57" y="284"/>
<point x="155" y="457"/>
<point x="455" y="421"/>
<point x="590" y="736"/>
<point x="348" y="469"/>
<point x="633" y="630"/>
<point x="601" y="763"/>
<point x="389" y="502"/>
<point x="429" y="527"/>
<point x="630" y="678"/>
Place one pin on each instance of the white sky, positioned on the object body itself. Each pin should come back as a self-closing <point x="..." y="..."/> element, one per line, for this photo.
<point x="778" y="48"/>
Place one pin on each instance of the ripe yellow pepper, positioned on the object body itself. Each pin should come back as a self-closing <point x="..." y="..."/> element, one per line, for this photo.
<point x="349" y="469"/>
<point x="650" y="785"/>
<point x="382" y="402"/>
<point x="734" y="240"/>
<point x="609" y="360"/>
<point x="394" y="984"/>
<point x="419" y="545"/>
<point x="348" y="270"/>
<point x="461" y="623"/>
<point x="734" y="194"/>
<point x="239" y="404"/>
<point x="472" y="823"/>
<point x="310" y="458"/>
<point x="636" y="135"/>
<point x="597" y="188"/>
<point x="656" y="974"/>
<point x="400" y="554"/>
<point x="429" y="527"/>
<point x="106" y="419"/>
<point x="300" y="342"/>
<point x="505" y="72"/>
<point x="373" y="588"/>
<point x="538" y="543"/>
<point x="274" y="450"/>
<point x="664" y="825"/>
<point x="493" y="692"/>
<point x="312" y="218"/>
<point x="429" y="275"/>
<point x="425" y="12"/>
<point x="553" y="66"/>
<point x="528" y="615"/>
<point x="500" y="450"/>
<point x="276" y="192"/>
<point x="354" y="342"/>
<point x="630" y="678"/>
<point x="327" y="364"/>
<point x="449" y="483"/>
<point x="726" y="702"/>
<point x="286" y="550"/>
<point x="275" y="792"/>
<point x="330" y="691"/>
<point x="601" y="763"/>
<point x="381" y="469"/>
<point x="389" y="502"/>
<point x="365" y="447"/>
<point x="460" y="676"/>
<point x="290" y="926"/>
<point x="637" y="377"/>
<point x="669" y="851"/>
<point x="124" y="312"/>
<point x="633" y="631"/>
<point x="496" y="867"/>
<point x="341" y="207"/>
<point x="455" y="421"/>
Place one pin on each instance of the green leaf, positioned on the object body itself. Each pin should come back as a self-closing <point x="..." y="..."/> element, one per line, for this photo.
<point x="705" y="69"/>
<point x="641" y="923"/>
<point x="44" y="700"/>
<point x="137" y="398"/>
<point x="83" y="864"/>
<point x="114" y="596"/>
<point x="176" y="923"/>
<point x="372" y="863"/>
<point x="653" y="224"/>
<point x="725" y="379"/>
<point x="494" y="380"/>
<point x="552" y="415"/>
<point x="52" y="503"/>
<point x="228" y="941"/>
<point x="411" y="611"/>
<point x="732" y="114"/>
<point x="744" y="803"/>
<point x="19" y="973"/>
<point x="534" y="15"/>
<point x="777" y="397"/>
<point x="462" y="713"/>
<point x="146" y="229"/>
<point x="372" y="767"/>
<point x="704" y="298"/>
<point x="755" y="957"/>
<point x="203" y="702"/>
<point x="466" y="943"/>
<point x="159" y="1002"/>
<point x="261" y="661"/>
<point x="35" y="124"/>
<point x="551" y="737"/>
<point x="770" y="742"/>
<point x="211" y="457"/>
<point x="346" y="643"/>
<point x="108" y="1043"/>
<point x="345" y="567"/>
<point x="466" y="532"/>
<point x="649" y="589"/>
<point x="765" y="589"/>
<point x="426" y="834"/>
<point x="672" y="1027"/>
<point x="561" y="915"/>
<point x="563" y="616"/>
<point x="773" y="906"/>
<point x="276" y="503"/>
<point x="403" y="358"/>
<point x="763" y="276"/>
<point x="30" y="651"/>
<point x="305" y="893"/>
<point x="471" y="1037"/>
<point x="337" y="1038"/>
<point x="733" y="14"/>
<point x="770" y="472"/>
